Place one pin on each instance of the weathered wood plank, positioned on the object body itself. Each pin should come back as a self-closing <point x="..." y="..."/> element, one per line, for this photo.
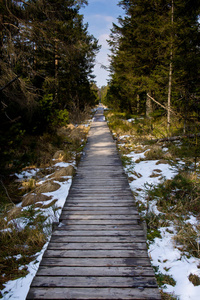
<point x="94" y="293"/>
<point x="95" y="282"/>
<point x="85" y="233"/>
<point x="99" y="185"/>
<point x="70" y="216"/>
<point x="101" y="210"/>
<point x="97" y="246"/>
<point x="93" y="211"/>
<point x="96" y="253"/>
<point x="99" y="227"/>
<point x="97" y="262"/>
<point x="98" y="193"/>
<point x="50" y="268"/>
<point x="98" y="222"/>
<point x="96" y="239"/>
<point x="101" y="199"/>
<point x="80" y="179"/>
<point x="101" y="205"/>
<point x="101" y="196"/>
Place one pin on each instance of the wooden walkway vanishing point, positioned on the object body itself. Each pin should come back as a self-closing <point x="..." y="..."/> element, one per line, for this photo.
<point x="98" y="250"/>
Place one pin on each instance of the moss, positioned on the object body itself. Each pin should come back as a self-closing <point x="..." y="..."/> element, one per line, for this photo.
<point x="163" y="279"/>
<point x="152" y="234"/>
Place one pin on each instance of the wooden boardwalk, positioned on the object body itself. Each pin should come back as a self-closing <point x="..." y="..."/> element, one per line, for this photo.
<point x="98" y="250"/>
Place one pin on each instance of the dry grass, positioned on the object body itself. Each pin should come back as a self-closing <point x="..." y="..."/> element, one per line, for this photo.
<point x="165" y="296"/>
<point x="19" y="244"/>
<point x="194" y="279"/>
<point x="187" y="238"/>
<point x="155" y="153"/>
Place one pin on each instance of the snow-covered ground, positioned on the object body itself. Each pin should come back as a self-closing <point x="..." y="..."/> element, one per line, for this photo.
<point x="18" y="289"/>
<point x="162" y="251"/>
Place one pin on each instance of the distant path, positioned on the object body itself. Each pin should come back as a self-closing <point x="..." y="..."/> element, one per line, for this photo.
<point x="98" y="251"/>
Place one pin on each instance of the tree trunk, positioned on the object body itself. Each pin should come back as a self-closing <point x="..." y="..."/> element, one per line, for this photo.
<point x="56" y="58"/>
<point x="1" y="35"/>
<point x="138" y="104"/>
<point x="149" y="108"/>
<point x="170" y="72"/>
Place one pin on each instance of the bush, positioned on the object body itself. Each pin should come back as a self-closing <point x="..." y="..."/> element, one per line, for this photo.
<point x="19" y="244"/>
<point x="181" y="192"/>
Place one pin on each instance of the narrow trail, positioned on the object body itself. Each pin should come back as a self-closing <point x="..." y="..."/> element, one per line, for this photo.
<point x="98" y="250"/>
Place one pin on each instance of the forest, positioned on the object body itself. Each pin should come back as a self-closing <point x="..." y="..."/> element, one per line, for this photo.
<point x="48" y="95"/>
<point x="46" y="62"/>
<point x="155" y="61"/>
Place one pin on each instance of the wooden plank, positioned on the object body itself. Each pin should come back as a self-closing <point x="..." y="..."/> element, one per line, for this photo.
<point x="86" y="182"/>
<point x="98" y="222"/>
<point x="102" y="196"/>
<point x="100" y="185"/>
<point x="101" y="199"/>
<point x="97" y="197"/>
<point x="85" y="233"/>
<point x="69" y="216"/>
<point x="96" y="253"/>
<point x="94" y="293"/>
<point x="96" y="262"/>
<point x="94" y="281"/>
<point x="97" y="246"/>
<point x="101" y="205"/>
<point x="50" y="268"/>
<point x="97" y="184"/>
<point x="99" y="227"/>
<point x="96" y="239"/>
<point x="94" y="211"/>
<point x="108" y="210"/>
<point x="81" y="179"/>
<point x="100" y="188"/>
<point x="109" y="193"/>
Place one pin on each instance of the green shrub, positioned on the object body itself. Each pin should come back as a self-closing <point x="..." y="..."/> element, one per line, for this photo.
<point x="181" y="191"/>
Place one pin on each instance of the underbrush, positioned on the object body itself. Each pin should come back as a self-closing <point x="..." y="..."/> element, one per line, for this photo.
<point x="171" y="203"/>
<point x="25" y="230"/>
<point x="179" y="195"/>
<point x="21" y="239"/>
<point x="178" y="199"/>
<point x="118" y="124"/>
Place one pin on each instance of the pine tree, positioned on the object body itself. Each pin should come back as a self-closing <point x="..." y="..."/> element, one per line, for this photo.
<point x="47" y="48"/>
<point x="155" y="49"/>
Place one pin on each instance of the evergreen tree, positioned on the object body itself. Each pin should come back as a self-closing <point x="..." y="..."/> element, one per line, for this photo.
<point x="146" y="45"/>
<point x="46" y="49"/>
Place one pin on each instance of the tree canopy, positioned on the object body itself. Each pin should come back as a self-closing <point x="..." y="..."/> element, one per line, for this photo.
<point x="151" y="38"/>
<point x="46" y="62"/>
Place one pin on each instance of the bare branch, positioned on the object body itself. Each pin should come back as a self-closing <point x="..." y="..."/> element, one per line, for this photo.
<point x="6" y="192"/>
<point x="9" y="83"/>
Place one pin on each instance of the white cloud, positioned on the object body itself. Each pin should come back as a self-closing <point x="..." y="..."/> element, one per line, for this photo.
<point x="103" y="18"/>
<point x="100" y="14"/>
<point x="103" y="40"/>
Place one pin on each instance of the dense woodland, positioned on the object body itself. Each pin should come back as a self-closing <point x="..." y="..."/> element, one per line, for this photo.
<point x="46" y="62"/>
<point x="47" y="89"/>
<point x="155" y="61"/>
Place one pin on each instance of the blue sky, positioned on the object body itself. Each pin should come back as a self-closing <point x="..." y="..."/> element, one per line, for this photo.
<point x="100" y="14"/>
